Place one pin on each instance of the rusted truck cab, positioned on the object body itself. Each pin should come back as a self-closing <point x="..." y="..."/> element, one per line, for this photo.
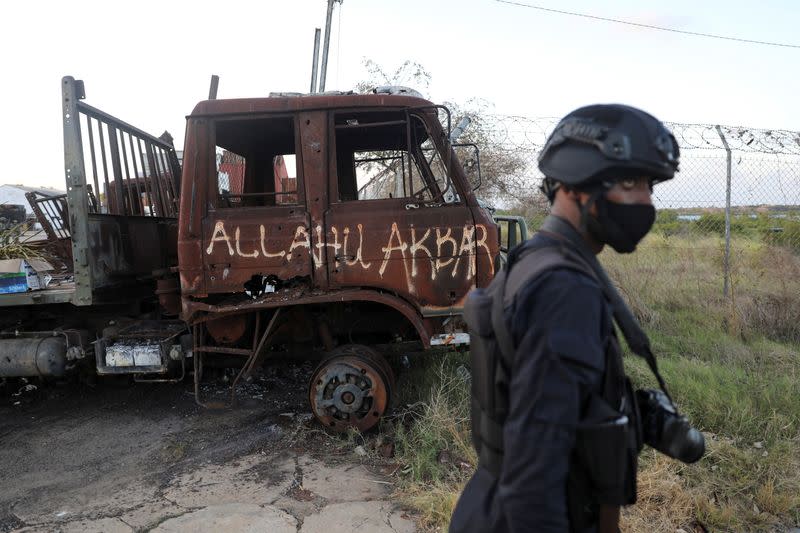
<point x="337" y="223"/>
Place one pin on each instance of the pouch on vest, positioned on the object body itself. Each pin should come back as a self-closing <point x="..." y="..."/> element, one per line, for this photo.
<point x="608" y="437"/>
<point x="488" y="409"/>
<point x="602" y="447"/>
<point x="607" y="443"/>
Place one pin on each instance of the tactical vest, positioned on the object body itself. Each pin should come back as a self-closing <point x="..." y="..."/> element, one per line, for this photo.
<point x="608" y="437"/>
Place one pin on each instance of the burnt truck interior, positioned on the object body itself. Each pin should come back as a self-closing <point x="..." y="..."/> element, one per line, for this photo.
<point x="379" y="155"/>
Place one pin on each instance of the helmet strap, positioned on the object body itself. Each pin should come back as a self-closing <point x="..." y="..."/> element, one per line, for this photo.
<point x="584" y="208"/>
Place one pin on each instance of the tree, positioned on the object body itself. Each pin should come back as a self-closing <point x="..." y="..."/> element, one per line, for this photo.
<point x="409" y="74"/>
<point x="505" y="171"/>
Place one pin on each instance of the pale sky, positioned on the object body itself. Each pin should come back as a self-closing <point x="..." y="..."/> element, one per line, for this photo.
<point x="149" y="62"/>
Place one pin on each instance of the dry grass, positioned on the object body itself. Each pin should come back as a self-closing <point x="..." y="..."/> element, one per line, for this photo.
<point x="733" y="366"/>
<point x="435" y="448"/>
<point x="663" y="503"/>
<point x="434" y="503"/>
<point x="734" y="488"/>
<point x="11" y="248"/>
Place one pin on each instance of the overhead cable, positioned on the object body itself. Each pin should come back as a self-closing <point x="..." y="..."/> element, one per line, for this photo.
<point x="647" y="26"/>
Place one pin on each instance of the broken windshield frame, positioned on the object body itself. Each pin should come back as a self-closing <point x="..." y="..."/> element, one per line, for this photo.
<point x="425" y="179"/>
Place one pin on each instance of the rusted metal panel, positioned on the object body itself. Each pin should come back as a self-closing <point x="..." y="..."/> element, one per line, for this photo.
<point x="119" y="231"/>
<point x="197" y="166"/>
<point x="488" y="252"/>
<point x="242" y="242"/>
<point x="428" y="256"/>
<point x="168" y="292"/>
<point x="251" y="106"/>
<point x="313" y="129"/>
<point x="124" y="249"/>
<point x="77" y="197"/>
<point x="52" y="214"/>
<point x="196" y="312"/>
<point x="227" y="329"/>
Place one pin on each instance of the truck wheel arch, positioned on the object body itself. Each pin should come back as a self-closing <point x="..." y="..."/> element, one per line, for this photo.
<point x="202" y="312"/>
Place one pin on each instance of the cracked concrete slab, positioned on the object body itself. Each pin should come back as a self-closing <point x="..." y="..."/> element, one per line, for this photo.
<point x="120" y="460"/>
<point x="252" y="479"/>
<point x="100" y="504"/>
<point x="299" y="509"/>
<point x="103" y="525"/>
<point x="149" y="514"/>
<point x="232" y="517"/>
<point x="367" y="517"/>
<point x="343" y="483"/>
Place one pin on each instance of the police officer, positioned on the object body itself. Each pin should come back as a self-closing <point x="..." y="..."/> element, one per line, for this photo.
<point x="553" y="414"/>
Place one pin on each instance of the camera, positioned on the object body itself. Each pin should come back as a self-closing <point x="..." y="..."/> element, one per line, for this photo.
<point x="667" y="431"/>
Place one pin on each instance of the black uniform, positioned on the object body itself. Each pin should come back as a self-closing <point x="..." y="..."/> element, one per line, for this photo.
<point x="561" y="325"/>
<point x="555" y="421"/>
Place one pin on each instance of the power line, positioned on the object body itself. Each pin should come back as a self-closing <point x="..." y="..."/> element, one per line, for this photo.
<point x="648" y="26"/>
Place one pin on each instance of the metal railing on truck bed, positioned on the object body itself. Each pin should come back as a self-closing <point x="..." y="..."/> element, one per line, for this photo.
<point x="122" y="199"/>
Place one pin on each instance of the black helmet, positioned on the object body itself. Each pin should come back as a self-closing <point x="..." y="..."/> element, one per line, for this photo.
<point x="597" y="140"/>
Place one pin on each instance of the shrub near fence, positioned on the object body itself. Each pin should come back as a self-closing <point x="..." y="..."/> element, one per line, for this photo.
<point x="758" y="227"/>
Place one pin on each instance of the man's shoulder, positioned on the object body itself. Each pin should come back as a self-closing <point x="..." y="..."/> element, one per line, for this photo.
<point x="552" y="287"/>
<point x="555" y="274"/>
<point x="559" y="284"/>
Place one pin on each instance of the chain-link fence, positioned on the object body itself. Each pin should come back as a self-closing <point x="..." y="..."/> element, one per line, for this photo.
<point x="737" y="186"/>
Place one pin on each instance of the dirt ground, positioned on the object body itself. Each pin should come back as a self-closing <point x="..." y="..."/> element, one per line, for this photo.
<point x="125" y="457"/>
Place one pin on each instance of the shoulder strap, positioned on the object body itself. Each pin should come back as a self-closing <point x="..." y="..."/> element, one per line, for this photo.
<point x="533" y="262"/>
<point x="504" y="340"/>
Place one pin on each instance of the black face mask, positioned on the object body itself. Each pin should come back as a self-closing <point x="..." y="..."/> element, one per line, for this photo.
<point x="621" y="226"/>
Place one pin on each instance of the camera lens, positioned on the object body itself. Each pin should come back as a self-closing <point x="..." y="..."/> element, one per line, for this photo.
<point x="681" y="441"/>
<point x="665" y="430"/>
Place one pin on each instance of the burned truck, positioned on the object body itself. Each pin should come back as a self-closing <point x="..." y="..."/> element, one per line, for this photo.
<point x="341" y="225"/>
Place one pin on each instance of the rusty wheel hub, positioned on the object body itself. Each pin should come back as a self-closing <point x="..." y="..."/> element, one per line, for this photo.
<point x="350" y="390"/>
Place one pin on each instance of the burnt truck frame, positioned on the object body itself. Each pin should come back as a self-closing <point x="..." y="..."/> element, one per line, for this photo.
<point x="369" y="247"/>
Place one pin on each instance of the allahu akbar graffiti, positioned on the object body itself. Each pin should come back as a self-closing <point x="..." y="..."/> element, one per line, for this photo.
<point x="444" y="248"/>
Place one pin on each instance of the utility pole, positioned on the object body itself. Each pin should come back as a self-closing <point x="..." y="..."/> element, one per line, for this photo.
<point x="212" y="89"/>
<point x="315" y="62"/>
<point x="324" y="69"/>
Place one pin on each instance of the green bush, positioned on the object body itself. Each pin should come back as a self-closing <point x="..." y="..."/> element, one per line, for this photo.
<point x="783" y="233"/>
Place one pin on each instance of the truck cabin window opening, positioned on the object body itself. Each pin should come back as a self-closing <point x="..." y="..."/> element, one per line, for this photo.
<point x="383" y="155"/>
<point x="256" y="163"/>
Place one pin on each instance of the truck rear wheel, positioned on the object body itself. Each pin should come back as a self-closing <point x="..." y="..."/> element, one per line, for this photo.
<point x="351" y="388"/>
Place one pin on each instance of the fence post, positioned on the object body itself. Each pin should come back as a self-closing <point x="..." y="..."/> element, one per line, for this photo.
<point x="727" y="261"/>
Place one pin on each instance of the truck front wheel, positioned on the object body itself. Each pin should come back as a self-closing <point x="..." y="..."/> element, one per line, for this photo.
<point x="351" y="387"/>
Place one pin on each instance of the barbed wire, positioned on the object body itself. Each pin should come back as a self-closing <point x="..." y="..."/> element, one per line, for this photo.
<point x="739" y="138"/>
<point x="513" y="131"/>
<point x="764" y="188"/>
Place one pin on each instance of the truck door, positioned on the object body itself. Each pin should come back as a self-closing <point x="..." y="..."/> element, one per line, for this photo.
<point x="395" y="222"/>
<point x="257" y="223"/>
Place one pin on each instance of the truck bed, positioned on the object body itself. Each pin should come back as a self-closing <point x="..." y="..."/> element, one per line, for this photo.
<point x="57" y="294"/>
